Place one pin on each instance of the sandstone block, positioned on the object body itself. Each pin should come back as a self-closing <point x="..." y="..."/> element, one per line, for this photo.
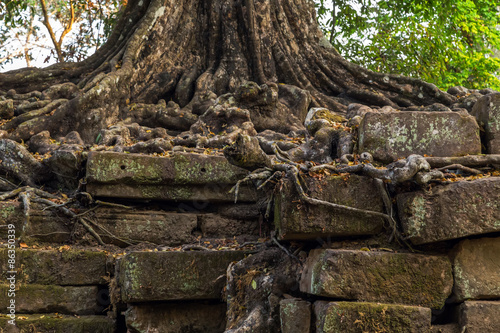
<point x="158" y="276"/>
<point x="392" y="135"/>
<point x="487" y="113"/>
<point x="37" y="298"/>
<point x="177" y="318"/>
<point x="451" y="211"/>
<point x="214" y="225"/>
<point x="354" y="317"/>
<point x="476" y="267"/>
<point x="50" y="323"/>
<point x="65" y="267"/>
<point x="179" y="177"/>
<point x="403" y="278"/>
<point x="480" y="316"/>
<point x="298" y="220"/>
<point x="295" y="316"/>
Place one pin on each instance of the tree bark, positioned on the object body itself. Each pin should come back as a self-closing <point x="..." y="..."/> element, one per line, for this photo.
<point x="181" y="50"/>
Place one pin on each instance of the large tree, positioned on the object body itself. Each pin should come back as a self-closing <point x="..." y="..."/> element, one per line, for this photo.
<point x="183" y="50"/>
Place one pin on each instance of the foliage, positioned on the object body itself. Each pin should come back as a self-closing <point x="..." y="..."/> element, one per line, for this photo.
<point x="447" y="43"/>
<point x="22" y="23"/>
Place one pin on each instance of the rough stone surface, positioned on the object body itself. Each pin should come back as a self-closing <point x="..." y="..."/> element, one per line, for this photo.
<point x="354" y="317"/>
<point x="403" y="278"/>
<point x="157" y="276"/>
<point x="65" y="267"/>
<point x="37" y="298"/>
<point x="57" y="323"/>
<point x="295" y="316"/>
<point x="213" y="225"/>
<point x="392" y="135"/>
<point x="298" y="220"/>
<point x="447" y="328"/>
<point x="476" y="268"/>
<point x="451" y="211"/>
<point x="178" y="177"/>
<point x="176" y="318"/>
<point x="152" y="226"/>
<point x="480" y="316"/>
<point x="487" y="112"/>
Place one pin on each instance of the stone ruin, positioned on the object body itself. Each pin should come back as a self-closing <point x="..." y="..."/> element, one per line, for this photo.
<point x="178" y="254"/>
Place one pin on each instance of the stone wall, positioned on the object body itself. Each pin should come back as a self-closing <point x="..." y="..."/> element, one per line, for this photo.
<point x="174" y="229"/>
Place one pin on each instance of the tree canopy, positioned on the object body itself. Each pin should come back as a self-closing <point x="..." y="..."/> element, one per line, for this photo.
<point x="448" y="43"/>
<point x="70" y="29"/>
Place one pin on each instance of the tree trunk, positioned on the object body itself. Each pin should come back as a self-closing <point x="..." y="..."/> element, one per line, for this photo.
<point x="186" y="50"/>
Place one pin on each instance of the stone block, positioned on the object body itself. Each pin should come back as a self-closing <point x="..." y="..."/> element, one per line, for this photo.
<point x="176" y="318"/>
<point x="162" y="276"/>
<point x="295" y="316"/>
<point x="403" y="278"/>
<point x="354" y="317"/>
<point x="214" y="225"/>
<point x="392" y="135"/>
<point x="480" y="316"/>
<point x="451" y="211"/>
<point x="295" y="219"/>
<point x="178" y="177"/>
<point x="65" y="267"/>
<point x="37" y="298"/>
<point x="57" y="323"/>
<point x="166" y="228"/>
<point x="487" y="113"/>
<point x="476" y="268"/>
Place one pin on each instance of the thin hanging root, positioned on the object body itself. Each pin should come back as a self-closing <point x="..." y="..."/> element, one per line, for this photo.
<point x="259" y="174"/>
<point x="273" y="177"/>
<point x="461" y="167"/>
<point x="284" y="249"/>
<point x="91" y="230"/>
<point x="293" y="172"/>
<point x="69" y="213"/>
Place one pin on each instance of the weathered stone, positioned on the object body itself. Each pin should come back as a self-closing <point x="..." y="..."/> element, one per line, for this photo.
<point x="213" y="225"/>
<point x="178" y="177"/>
<point x="146" y="226"/>
<point x="480" y="316"/>
<point x="298" y="220"/>
<point x="487" y="112"/>
<point x="65" y="267"/>
<point x="176" y="318"/>
<point x="476" y="268"/>
<point x="393" y="135"/>
<point x="354" y="317"/>
<point x="157" y="276"/>
<point x="128" y="226"/>
<point x="57" y="323"/>
<point x="37" y="298"/>
<point x="295" y="316"/>
<point x="403" y="278"/>
<point x="451" y="211"/>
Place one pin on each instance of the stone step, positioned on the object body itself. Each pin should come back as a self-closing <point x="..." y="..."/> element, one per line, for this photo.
<point x="50" y="323"/>
<point x="451" y="211"/>
<point x="476" y="267"/>
<point x="154" y="226"/>
<point x="389" y="136"/>
<point x="164" y="276"/>
<point x="178" y="177"/>
<point x="354" y="317"/>
<point x="295" y="219"/>
<point x="480" y="316"/>
<point x="176" y="317"/>
<point x="37" y="298"/>
<point x="403" y="278"/>
<point x="65" y="267"/>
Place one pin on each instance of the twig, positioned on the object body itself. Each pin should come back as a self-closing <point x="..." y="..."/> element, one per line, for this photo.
<point x="284" y="249"/>
<point x="460" y="167"/>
